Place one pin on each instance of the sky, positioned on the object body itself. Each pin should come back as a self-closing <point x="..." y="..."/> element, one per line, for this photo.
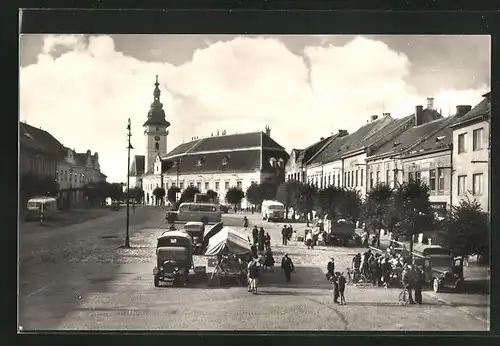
<point x="83" y="88"/>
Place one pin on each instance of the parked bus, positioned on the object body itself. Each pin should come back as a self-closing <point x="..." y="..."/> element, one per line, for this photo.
<point x="35" y="205"/>
<point x="204" y="212"/>
<point x="273" y="210"/>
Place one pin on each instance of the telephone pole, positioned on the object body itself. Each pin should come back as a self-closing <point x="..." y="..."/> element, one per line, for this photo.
<point x="129" y="134"/>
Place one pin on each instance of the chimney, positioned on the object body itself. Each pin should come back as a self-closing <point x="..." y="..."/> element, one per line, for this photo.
<point x="419" y="110"/>
<point x="342" y="133"/>
<point x="217" y="132"/>
<point x="430" y="103"/>
<point x="268" y="131"/>
<point x="322" y="138"/>
<point x="386" y="114"/>
<point x="462" y="110"/>
<point x="374" y="117"/>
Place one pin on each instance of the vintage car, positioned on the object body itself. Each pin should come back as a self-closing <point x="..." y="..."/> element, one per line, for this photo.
<point x="441" y="269"/>
<point x="196" y="230"/>
<point x="174" y="258"/>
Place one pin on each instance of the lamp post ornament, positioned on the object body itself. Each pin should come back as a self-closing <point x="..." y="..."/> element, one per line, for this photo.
<point x="129" y="134"/>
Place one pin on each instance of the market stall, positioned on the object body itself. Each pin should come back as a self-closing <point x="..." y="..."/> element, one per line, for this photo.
<point x="227" y="254"/>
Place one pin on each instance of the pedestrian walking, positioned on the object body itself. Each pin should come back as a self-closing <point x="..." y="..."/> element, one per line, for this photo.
<point x="253" y="251"/>
<point x="341" y="281"/>
<point x="284" y="235"/>
<point x="289" y="232"/>
<point x="261" y="239"/>
<point x="267" y="242"/>
<point x="330" y="269"/>
<point x="255" y="234"/>
<point x="287" y="266"/>
<point x="245" y="222"/>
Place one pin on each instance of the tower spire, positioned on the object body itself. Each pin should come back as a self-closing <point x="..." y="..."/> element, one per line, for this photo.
<point x="157" y="92"/>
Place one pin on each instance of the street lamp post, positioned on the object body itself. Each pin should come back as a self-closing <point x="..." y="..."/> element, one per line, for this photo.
<point x="129" y="134"/>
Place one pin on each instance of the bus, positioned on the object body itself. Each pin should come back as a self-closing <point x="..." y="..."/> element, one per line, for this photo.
<point x="272" y="210"/>
<point x="204" y="212"/>
<point x="37" y="204"/>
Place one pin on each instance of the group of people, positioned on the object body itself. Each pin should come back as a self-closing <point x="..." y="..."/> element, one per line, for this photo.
<point x="286" y="234"/>
<point x="255" y="267"/>
<point x="261" y="239"/>
<point x="338" y="281"/>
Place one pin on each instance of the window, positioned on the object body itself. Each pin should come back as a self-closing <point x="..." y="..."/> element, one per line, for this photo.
<point x="462" y="184"/>
<point x="239" y="184"/>
<point x="345" y="179"/>
<point x="411" y="176"/>
<point x="440" y="174"/>
<point x="181" y="185"/>
<point x="477" y="139"/>
<point x="432" y="180"/>
<point x="378" y="177"/>
<point x="477" y="184"/>
<point x="225" y="160"/>
<point x="157" y="146"/>
<point x="329" y="179"/>
<point x="356" y="178"/>
<point x="371" y="180"/>
<point x="417" y="177"/>
<point x="461" y="143"/>
<point x="198" y="185"/>
<point x="361" y="177"/>
<point x="207" y="185"/>
<point x="352" y="178"/>
<point x="226" y="185"/>
<point x="217" y="186"/>
<point x="348" y="179"/>
<point x="338" y="179"/>
<point x="387" y="176"/>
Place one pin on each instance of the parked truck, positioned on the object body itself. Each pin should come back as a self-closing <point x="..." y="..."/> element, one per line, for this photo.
<point x="340" y="231"/>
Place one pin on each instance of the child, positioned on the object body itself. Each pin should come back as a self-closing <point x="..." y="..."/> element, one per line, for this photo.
<point x="341" y="282"/>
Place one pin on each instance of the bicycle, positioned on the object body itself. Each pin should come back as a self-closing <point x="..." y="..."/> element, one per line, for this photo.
<point x="404" y="296"/>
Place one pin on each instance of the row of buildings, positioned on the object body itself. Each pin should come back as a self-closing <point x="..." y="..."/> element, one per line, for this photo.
<point x="450" y="154"/>
<point x="42" y="156"/>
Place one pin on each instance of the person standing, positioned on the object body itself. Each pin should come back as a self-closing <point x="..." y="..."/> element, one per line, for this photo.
<point x="419" y="282"/>
<point x="341" y="281"/>
<point x="255" y="233"/>
<point x="335" y="283"/>
<point x="330" y="269"/>
<point x="287" y="266"/>
<point x="253" y="276"/>
<point x="267" y="241"/>
<point x="245" y="222"/>
<point x="284" y="235"/>
<point x="386" y="268"/>
<point x="261" y="238"/>
<point x="309" y="239"/>
<point x="406" y="278"/>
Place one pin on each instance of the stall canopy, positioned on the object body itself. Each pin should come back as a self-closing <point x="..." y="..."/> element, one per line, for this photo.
<point x="229" y="240"/>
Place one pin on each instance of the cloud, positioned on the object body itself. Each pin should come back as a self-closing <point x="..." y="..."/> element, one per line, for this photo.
<point x="85" y="96"/>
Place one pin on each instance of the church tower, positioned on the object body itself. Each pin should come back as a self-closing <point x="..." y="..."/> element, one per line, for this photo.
<point x="155" y="130"/>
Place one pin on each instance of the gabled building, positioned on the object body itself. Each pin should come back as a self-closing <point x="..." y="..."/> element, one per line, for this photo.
<point x="221" y="162"/>
<point x="295" y="169"/>
<point x="471" y="155"/>
<point x="382" y="161"/>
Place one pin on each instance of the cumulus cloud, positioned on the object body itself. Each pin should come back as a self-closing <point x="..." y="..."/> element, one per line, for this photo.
<point x="85" y="96"/>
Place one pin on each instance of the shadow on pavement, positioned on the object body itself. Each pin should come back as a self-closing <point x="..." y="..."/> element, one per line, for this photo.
<point x="303" y="277"/>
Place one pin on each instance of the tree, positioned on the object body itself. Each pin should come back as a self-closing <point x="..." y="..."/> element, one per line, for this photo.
<point x="411" y="210"/>
<point x="172" y="194"/>
<point x="234" y="196"/>
<point x="351" y="204"/>
<point x="212" y="195"/>
<point x="328" y="201"/>
<point x="376" y="208"/>
<point x="159" y="193"/>
<point x="188" y="194"/>
<point x="254" y="194"/>
<point x="288" y="194"/>
<point x="136" y="193"/>
<point x="34" y="185"/>
<point x="466" y="230"/>
<point x="306" y="200"/>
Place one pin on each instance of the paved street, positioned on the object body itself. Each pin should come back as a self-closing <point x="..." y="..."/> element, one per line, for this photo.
<point x="77" y="277"/>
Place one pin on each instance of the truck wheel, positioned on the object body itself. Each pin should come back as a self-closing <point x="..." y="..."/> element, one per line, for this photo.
<point x="436" y="285"/>
<point x="156" y="281"/>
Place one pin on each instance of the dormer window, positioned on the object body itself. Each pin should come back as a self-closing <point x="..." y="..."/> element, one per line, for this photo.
<point x="225" y="160"/>
<point x="272" y="162"/>
<point x="395" y="144"/>
<point x="281" y="163"/>
<point x="201" y="161"/>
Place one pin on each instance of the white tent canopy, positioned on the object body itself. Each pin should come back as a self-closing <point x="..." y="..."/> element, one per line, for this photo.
<point x="230" y="239"/>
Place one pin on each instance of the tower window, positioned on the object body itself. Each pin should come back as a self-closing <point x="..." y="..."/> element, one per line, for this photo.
<point x="201" y="161"/>
<point x="157" y="146"/>
<point x="225" y="160"/>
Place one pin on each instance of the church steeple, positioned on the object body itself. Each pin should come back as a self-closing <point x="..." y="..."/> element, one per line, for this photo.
<point x="156" y="115"/>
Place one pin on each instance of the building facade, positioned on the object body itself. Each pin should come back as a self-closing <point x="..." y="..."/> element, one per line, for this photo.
<point x="472" y="155"/>
<point x="221" y="162"/>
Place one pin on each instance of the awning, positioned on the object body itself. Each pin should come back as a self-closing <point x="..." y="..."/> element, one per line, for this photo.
<point x="228" y="239"/>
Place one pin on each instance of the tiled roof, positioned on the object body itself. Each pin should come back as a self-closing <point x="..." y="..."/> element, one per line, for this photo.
<point x="439" y="140"/>
<point x="237" y="161"/>
<point x="411" y="136"/>
<point x="137" y="167"/>
<point x="482" y="109"/>
<point x="268" y="142"/>
<point x="43" y="139"/>
<point x="339" y="147"/>
<point x="307" y="153"/>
